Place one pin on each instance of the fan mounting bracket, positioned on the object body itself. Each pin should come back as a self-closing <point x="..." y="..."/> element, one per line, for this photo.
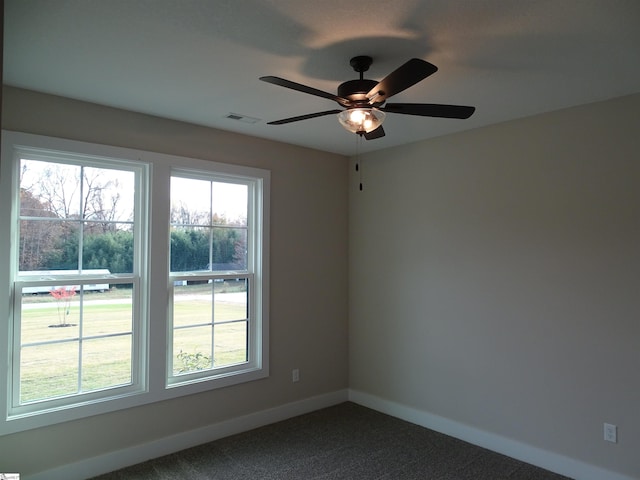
<point x="361" y="63"/>
<point x="355" y="90"/>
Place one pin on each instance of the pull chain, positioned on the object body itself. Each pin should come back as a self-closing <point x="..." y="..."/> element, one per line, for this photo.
<point x="359" y="160"/>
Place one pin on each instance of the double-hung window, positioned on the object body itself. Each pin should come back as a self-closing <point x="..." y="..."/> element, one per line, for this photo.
<point x="77" y="325"/>
<point x="213" y="275"/>
<point x="101" y="311"/>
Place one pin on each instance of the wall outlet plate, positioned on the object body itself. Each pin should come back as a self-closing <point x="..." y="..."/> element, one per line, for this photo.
<point x="610" y="433"/>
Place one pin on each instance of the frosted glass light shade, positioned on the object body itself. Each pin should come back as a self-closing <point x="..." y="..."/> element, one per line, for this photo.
<point x="361" y="120"/>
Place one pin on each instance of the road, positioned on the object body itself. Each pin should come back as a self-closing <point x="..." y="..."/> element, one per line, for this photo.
<point x="235" y="298"/>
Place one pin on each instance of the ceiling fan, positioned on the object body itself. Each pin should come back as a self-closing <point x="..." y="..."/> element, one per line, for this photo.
<point x="364" y="100"/>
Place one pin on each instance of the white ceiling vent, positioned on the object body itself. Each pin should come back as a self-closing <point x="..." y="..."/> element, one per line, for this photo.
<point x="242" y="118"/>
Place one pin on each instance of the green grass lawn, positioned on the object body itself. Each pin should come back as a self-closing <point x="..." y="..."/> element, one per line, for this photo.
<point x="102" y="341"/>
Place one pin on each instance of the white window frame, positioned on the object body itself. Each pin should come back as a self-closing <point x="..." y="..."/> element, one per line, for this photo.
<point x="153" y="381"/>
<point x="135" y="278"/>
<point x="255" y="255"/>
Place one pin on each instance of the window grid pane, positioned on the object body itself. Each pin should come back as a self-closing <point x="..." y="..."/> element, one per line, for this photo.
<point x="230" y="345"/>
<point x="192" y="349"/>
<point x="106" y="362"/>
<point x="48" y="371"/>
<point x="47" y="244"/>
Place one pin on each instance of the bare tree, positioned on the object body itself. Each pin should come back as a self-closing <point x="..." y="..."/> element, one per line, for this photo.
<point x="182" y="215"/>
<point x="101" y="201"/>
<point x="37" y="238"/>
<point x="56" y="198"/>
<point x="57" y="187"/>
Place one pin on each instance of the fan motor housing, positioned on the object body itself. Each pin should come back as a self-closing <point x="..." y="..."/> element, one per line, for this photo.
<point x="356" y="90"/>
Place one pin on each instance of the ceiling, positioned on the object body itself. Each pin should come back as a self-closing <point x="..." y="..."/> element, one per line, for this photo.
<point x="198" y="61"/>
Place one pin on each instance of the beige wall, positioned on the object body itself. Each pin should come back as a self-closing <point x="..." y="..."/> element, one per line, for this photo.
<point x="495" y="280"/>
<point x="308" y="277"/>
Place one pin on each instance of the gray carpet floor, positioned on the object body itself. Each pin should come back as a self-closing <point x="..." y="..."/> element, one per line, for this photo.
<point x="347" y="442"/>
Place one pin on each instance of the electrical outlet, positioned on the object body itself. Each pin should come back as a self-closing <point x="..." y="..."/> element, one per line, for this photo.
<point x="295" y="375"/>
<point x="610" y="433"/>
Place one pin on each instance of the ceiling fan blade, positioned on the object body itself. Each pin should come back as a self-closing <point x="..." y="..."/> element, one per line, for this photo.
<point x="400" y="79"/>
<point x="304" y="89"/>
<point x="430" y="110"/>
<point x="372" y="135"/>
<point x="303" y="117"/>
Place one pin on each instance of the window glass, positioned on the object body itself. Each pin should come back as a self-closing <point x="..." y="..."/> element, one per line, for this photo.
<point x="208" y="225"/>
<point x="211" y="322"/>
<point x="74" y="339"/>
<point x="210" y="325"/>
<point x="76" y="336"/>
<point x="63" y="206"/>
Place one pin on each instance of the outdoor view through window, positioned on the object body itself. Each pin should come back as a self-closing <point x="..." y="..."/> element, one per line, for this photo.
<point x="211" y="284"/>
<point x="77" y="265"/>
<point x="133" y="277"/>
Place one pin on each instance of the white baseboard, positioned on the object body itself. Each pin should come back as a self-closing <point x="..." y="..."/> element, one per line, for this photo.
<point x="130" y="456"/>
<point x="521" y="451"/>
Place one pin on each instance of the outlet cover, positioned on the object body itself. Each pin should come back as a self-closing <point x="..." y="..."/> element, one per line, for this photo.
<point x="610" y="433"/>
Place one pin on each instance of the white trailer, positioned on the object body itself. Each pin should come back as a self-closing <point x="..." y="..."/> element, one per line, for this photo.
<point x="43" y="274"/>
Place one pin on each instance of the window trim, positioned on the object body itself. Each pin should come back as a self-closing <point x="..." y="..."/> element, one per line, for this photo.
<point x="254" y="258"/>
<point x="137" y="278"/>
<point x="155" y="386"/>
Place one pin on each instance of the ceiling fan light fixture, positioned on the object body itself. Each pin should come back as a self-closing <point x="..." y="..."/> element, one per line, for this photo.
<point x="361" y="120"/>
<point x="364" y="99"/>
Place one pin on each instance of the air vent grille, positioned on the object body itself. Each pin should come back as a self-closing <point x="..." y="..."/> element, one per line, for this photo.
<point x="242" y="118"/>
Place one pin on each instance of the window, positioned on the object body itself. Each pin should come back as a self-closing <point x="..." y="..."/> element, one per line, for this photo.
<point x="86" y="273"/>
<point x="77" y="317"/>
<point x="213" y="264"/>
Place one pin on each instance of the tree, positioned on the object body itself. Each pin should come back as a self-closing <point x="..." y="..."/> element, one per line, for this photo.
<point x="102" y="197"/>
<point x="53" y="214"/>
<point x="59" y="188"/>
<point x="62" y="204"/>
<point x="37" y="238"/>
<point x="111" y="250"/>
<point x="189" y="249"/>
<point x="63" y="296"/>
<point x="182" y="215"/>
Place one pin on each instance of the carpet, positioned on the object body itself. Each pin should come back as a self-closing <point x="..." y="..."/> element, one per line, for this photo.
<point x="347" y="442"/>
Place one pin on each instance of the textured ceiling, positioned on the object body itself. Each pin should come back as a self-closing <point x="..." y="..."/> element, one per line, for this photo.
<point x="198" y="61"/>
